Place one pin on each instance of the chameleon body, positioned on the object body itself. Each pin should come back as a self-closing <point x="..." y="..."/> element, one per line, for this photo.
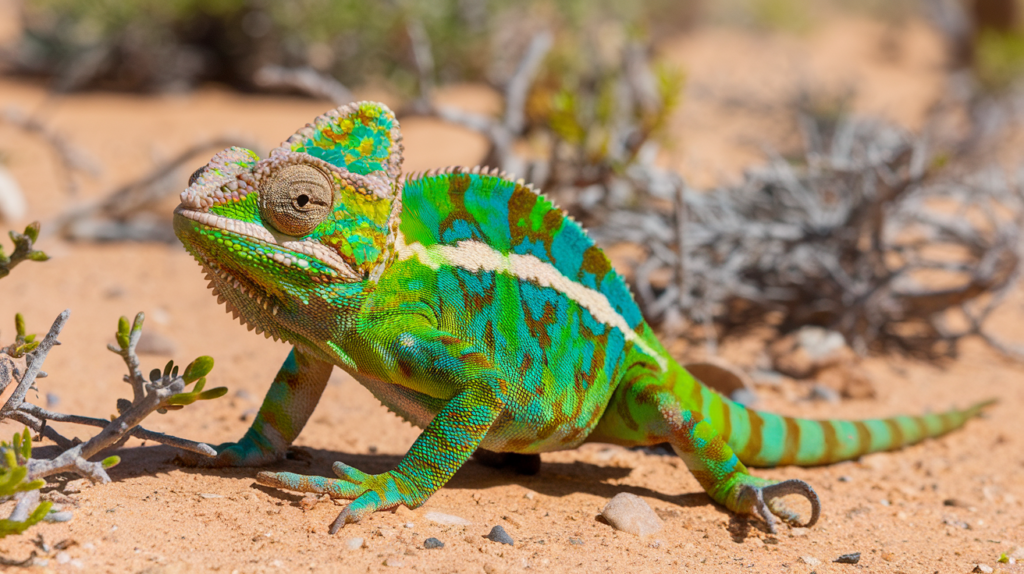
<point x="475" y="309"/>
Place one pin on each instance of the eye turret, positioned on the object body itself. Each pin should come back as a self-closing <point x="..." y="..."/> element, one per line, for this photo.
<point x="296" y="199"/>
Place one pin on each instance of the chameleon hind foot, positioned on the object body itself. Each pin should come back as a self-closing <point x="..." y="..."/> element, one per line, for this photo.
<point x="763" y="498"/>
<point x="368" y="492"/>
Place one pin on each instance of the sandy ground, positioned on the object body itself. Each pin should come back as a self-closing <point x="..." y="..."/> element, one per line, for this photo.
<point x="942" y="506"/>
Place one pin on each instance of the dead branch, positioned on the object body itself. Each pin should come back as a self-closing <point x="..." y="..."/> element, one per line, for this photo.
<point x="71" y="159"/>
<point x="306" y="81"/>
<point x="110" y="217"/>
<point x="149" y="396"/>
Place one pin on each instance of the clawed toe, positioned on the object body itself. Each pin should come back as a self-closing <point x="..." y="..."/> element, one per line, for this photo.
<point x="772" y="493"/>
<point x="340" y="521"/>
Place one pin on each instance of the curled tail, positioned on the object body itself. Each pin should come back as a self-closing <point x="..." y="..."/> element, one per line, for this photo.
<point x="764" y="439"/>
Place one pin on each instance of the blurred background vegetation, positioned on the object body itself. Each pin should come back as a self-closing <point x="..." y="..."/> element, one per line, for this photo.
<point x="589" y="103"/>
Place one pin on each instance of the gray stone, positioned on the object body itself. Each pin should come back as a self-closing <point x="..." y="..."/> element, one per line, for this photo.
<point x="442" y="518"/>
<point x="498" y="534"/>
<point x="432" y="543"/>
<point x="629" y="513"/>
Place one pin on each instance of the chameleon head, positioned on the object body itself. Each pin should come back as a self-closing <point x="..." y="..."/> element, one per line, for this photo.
<point x="305" y="226"/>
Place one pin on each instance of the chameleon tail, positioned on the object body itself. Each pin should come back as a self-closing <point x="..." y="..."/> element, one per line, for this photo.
<point x="764" y="439"/>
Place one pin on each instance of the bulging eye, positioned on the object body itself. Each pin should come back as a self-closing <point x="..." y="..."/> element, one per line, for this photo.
<point x="295" y="199"/>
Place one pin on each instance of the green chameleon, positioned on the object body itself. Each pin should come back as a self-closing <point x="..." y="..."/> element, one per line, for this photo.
<point x="475" y="309"/>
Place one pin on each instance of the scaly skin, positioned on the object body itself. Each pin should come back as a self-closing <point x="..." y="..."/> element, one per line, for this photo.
<point x="475" y="309"/>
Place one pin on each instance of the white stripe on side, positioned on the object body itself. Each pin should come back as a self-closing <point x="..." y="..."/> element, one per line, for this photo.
<point x="477" y="256"/>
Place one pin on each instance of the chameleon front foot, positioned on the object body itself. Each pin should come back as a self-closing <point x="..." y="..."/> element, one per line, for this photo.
<point x="368" y="492"/>
<point x="230" y="454"/>
<point x="763" y="498"/>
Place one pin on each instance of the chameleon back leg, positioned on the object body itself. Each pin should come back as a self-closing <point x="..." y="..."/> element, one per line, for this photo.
<point x="645" y="410"/>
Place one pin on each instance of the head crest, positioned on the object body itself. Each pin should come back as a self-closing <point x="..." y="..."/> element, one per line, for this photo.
<point x="362" y="138"/>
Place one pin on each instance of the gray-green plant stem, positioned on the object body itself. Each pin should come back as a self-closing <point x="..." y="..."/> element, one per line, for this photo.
<point x="137" y="431"/>
<point x="35" y="365"/>
<point x="76" y="458"/>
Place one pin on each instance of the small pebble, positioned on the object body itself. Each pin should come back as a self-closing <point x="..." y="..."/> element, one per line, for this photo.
<point x="954" y="521"/>
<point x="442" y="518"/>
<point x="208" y="495"/>
<point x="432" y="543"/>
<point x="354" y="543"/>
<point x="393" y="562"/>
<point x="884" y="502"/>
<point x="63" y="558"/>
<point x="955" y="502"/>
<point x="983" y="568"/>
<point x="576" y="541"/>
<point x="629" y="513"/>
<point x="798" y="531"/>
<point x="498" y="534"/>
<point x="810" y="560"/>
<point x="851" y="558"/>
<point x="823" y="393"/>
<point x="845" y="478"/>
<point x="410" y="525"/>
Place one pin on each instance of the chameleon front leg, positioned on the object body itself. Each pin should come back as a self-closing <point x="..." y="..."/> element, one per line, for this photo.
<point x="645" y="411"/>
<point x="288" y="405"/>
<point x="445" y="368"/>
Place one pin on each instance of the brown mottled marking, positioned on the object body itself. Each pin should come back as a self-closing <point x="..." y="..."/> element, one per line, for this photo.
<point x="792" y="447"/>
<point x="922" y="428"/>
<point x="948" y="421"/>
<point x="725" y="425"/>
<point x="896" y="431"/>
<point x="863" y="437"/>
<point x="752" y="449"/>
<point x="596" y="262"/>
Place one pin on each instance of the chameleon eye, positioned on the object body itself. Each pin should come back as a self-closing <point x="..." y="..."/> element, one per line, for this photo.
<point x="295" y="199"/>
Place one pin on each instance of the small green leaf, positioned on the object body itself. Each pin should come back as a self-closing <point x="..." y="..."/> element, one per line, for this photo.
<point x="199" y="385"/>
<point x="32" y="231"/>
<point x="38" y="256"/>
<point x="123" y="405"/>
<point x="154" y="375"/>
<point x="122" y="332"/>
<point x="26" y="348"/>
<point x="30" y="338"/>
<point x="214" y="393"/>
<point x="198" y="369"/>
<point x="168" y="367"/>
<point x="19" y="325"/>
<point x="1003" y="558"/>
<point x="174" y="372"/>
<point x="181" y="399"/>
<point x="110" y="461"/>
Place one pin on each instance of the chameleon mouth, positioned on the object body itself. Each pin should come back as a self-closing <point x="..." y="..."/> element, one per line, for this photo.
<point x="289" y="253"/>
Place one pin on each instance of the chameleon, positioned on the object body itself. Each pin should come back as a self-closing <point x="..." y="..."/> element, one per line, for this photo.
<point x="474" y="308"/>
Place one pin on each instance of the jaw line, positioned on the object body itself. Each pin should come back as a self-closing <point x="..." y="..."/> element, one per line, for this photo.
<point x="318" y="251"/>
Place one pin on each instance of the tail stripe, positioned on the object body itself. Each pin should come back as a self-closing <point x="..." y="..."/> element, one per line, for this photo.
<point x="739" y="424"/>
<point x="895" y="433"/>
<point x="752" y="449"/>
<point x="812" y="444"/>
<point x="773" y="439"/>
<point x="792" y="438"/>
<point x="863" y="436"/>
